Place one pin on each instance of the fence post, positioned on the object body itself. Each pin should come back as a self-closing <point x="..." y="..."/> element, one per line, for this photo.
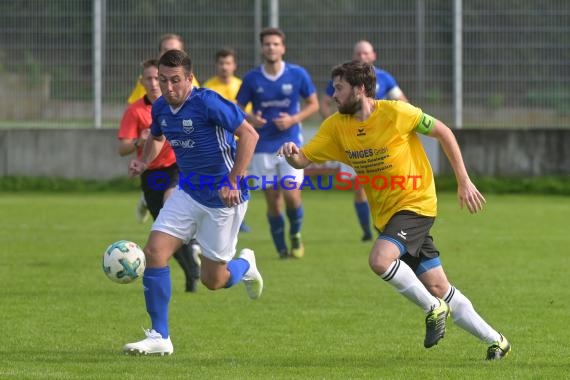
<point x="257" y="20"/>
<point x="98" y="63"/>
<point x="274" y="13"/>
<point x="458" y="64"/>
<point x="421" y="48"/>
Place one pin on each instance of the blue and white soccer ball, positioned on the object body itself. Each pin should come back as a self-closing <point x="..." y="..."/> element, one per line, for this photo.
<point x="124" y="262"/>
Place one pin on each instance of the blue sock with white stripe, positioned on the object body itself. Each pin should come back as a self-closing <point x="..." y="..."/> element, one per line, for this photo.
<point x="363" y="213"/>
<point x="277" y="225"/>
<point x="295" y="216"/>
<point x="157" y="291"/>
<point x="237" y="268"/>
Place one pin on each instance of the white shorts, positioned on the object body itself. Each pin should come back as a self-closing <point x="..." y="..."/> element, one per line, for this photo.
<point x="216" y="229"/>
<point x="266" y="166"/>
<point x="347" y="169"/>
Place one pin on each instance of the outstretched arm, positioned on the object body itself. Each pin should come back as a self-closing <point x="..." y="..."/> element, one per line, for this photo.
<point x="293" y="155"/>
<point x="466" y="191"/>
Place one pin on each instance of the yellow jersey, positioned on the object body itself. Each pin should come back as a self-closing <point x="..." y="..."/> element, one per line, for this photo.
<point x="386" y="154"/>
<point x="139" y="91"/>
<point x="227" y="90"/>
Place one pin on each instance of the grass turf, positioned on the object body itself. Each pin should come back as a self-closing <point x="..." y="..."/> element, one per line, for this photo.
<point x="325" y="316"/>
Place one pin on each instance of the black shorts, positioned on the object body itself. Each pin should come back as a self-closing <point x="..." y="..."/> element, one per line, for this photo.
<point x="154" y="183"/>
<point x="410" y="232"/>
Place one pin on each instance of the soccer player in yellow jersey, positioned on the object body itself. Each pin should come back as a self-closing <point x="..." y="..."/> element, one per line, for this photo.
<point x="386" y="88"/>
<point x="227" y="84"/>
<point x="378" y="138"/>
<point x="167" y="42"/>
<point x="225" y="81"/>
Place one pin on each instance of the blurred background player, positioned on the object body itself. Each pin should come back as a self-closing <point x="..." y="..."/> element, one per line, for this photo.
<point x="133" y="133"/>
<point x="275" y="90"/>
<point x="169" y="41"/>
<point x="386" y="88"/>
<point x="227" y="84"/>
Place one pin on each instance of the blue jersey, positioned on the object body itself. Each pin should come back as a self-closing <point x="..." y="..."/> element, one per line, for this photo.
<point x="201" y="133"/>
<point x="272" y="96"/>
<point x="384" y="84"/>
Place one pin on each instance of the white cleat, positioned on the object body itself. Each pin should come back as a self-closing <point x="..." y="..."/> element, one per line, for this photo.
<point x="153" y="344"/>
<point x="252" y="278"/>
<point x="196" y="251"/>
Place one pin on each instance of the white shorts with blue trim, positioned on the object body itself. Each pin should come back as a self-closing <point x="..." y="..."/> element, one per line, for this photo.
<point x="344" y="168"/>
<point x="216" y="229"/>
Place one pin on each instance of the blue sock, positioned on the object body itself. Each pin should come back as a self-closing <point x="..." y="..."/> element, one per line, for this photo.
<point x="237" y="268"/>
<point x="295" y="216"/>
<point x="363" y="213"/>
<point x="277" y="225"/>
<point x="157" y="290"/>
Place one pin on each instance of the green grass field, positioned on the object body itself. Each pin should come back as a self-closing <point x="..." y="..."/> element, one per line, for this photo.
<point x="324" y="317"/>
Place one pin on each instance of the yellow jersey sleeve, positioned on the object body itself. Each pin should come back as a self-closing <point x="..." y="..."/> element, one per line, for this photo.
<point x="406" y="116"/>
<point x="324" y="146"/>
<point x="426" y="124"/>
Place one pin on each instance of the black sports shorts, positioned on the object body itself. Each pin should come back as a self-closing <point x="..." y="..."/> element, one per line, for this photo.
<point x="154" y="183"/>
<point x="410" y="232"/>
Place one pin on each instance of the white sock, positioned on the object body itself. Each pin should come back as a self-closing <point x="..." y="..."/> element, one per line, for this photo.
<point x="403" y="278"/>
<point x="465" y="316"/>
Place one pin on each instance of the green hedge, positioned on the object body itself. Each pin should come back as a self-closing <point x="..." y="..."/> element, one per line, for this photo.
<point x="536" y="185"/>
<point x="67" y="185"/>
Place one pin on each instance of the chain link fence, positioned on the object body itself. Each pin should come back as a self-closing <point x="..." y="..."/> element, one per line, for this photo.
<point x="516" y="53"/>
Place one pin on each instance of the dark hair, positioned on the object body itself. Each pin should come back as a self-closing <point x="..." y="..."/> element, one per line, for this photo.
<point x="176" y="58"/>
<point x="170" y="36"/>
<point x="272" y="32"/>
<point x="357" y="74"/>
<point x="149" y="63"/>
<point x="225" y="52"/>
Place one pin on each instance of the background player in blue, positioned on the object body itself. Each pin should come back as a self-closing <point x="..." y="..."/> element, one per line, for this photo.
<point x="275" y="90"/>
<point x="386" y="88"/>
<point x="208" y="204"/>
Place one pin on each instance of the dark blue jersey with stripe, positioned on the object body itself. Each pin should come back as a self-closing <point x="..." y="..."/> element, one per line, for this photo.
<point x="201" y="133"/>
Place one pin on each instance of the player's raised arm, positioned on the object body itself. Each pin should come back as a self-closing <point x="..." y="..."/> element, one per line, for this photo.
<point x="467" y="193"/>
<point x="293" y="155"/>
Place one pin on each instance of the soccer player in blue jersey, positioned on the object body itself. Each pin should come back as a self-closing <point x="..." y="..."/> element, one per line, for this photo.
<point x="386" y="88"/>
<point x="133" y="132"/>
<point x="210" y="200"/>
<point x="275" y="90"/>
